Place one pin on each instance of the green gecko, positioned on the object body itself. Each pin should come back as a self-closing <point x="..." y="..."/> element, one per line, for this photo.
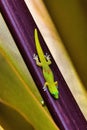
<point x="44" y="62"/>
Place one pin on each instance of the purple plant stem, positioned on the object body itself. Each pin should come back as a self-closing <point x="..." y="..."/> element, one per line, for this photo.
<point x="65" y="110"/>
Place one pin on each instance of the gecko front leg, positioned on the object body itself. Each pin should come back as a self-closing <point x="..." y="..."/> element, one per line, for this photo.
<point x="56" y="83"/>
<point x="35" y="57"/>
<point x="45" y="86"/>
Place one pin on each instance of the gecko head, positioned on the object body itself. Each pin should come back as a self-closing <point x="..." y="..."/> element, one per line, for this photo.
<point x="54" y="91"/>
<point x="55" y="94"/>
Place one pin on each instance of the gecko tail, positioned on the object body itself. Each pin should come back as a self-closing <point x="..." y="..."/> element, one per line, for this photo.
<point x="38" y="46"/>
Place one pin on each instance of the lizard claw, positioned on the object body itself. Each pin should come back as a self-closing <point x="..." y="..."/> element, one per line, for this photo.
<point x="44" y="88"/>
<point x="35" y="57"/>
<point x="47" y="56"/>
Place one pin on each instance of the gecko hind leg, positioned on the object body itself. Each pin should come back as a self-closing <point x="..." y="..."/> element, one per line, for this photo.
<point x="35" y="57"/>
<point x="47" y="56"/>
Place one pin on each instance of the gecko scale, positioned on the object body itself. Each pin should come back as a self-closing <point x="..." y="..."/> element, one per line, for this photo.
<point x="44" y="62"/>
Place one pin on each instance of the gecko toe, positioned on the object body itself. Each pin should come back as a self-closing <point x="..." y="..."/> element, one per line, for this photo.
<point x="44" y="88"/>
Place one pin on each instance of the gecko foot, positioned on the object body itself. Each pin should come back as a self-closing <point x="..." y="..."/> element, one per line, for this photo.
<point x="47" y="56"/>
<point x="35" y="57"/>
<point x="44" y="88"/>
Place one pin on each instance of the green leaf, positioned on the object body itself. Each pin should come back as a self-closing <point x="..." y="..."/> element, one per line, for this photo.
<point x="10" y="119"/>
<point x="15" y="93"/>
